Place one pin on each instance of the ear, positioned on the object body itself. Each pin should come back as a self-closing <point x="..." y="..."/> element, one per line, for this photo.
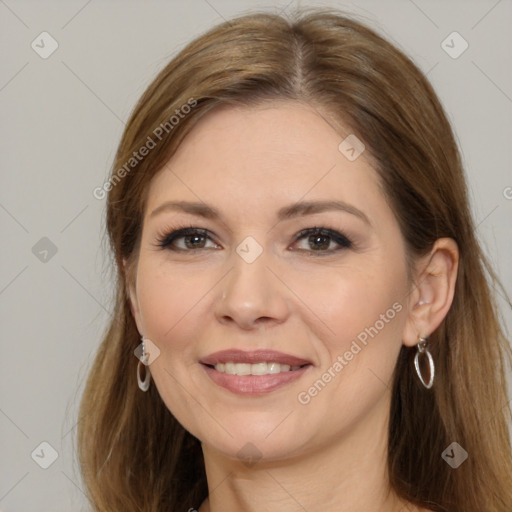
<point x="130" y="283"/>
<point x="432" y="291"/>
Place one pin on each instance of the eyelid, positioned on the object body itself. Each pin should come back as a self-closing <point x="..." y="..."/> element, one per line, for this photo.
<point x="169" y="235"/>
<point x="165" y="238"/>
<point x="342" y="240"/>
<point x="324" y="232"/>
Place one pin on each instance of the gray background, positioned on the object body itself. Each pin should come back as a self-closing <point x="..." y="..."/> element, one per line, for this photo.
<point x="61" y="120"/>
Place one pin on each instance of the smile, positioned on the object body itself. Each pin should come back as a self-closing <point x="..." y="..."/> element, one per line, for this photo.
<point x="253" y="373"/>
<point x="250" y="384"/>
<point x="233" y="368"/>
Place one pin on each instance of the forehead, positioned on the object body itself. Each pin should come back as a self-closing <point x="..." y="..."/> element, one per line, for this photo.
<point x="252" y="159"/>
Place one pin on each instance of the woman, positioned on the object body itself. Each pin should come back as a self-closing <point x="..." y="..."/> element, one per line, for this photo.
<point x="301" y="285"/>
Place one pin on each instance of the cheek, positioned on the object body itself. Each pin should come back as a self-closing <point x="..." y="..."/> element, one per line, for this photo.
<point x="355" y="303"/>
<point x="360" y="318"/>
<point x="168" y="301"/>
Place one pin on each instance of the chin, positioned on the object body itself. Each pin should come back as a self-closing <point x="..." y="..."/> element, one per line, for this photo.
<point x="267" y="439"/>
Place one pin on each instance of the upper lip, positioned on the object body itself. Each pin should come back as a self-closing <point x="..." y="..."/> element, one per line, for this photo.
<point x="253" y="356"/>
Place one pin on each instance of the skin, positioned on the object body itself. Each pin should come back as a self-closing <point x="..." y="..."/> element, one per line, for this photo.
<point x="328" y="454"/>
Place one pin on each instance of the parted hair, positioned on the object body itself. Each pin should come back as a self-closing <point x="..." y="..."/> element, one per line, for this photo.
<point x="133" y="454"/>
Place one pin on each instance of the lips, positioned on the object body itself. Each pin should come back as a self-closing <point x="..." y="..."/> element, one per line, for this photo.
<point x="234" y="370"/>
<point x="254" y="356"/>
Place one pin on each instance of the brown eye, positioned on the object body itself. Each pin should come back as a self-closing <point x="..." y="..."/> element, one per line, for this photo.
<point x="193" y="238"/>
<point x="320" y="239"/>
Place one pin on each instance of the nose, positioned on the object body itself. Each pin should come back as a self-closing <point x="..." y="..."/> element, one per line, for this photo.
<point x="252" y="296"/>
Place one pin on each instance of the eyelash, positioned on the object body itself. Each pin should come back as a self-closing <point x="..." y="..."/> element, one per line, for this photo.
<point x="165" y="240"/>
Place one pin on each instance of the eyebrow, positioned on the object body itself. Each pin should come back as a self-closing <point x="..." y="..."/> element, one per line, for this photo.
<point x="287" y="212"/>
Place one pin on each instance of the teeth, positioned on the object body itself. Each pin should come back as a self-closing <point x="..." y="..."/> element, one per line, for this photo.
<point x="254" y="369"/>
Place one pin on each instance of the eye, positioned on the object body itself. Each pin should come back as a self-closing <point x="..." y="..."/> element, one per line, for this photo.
<point x="320" y="239"/>
<point x="193" y="238"/>
<point x="190" y="239"/>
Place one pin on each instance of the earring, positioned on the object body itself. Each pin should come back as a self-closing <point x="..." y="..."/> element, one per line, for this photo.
<point x="422" y="347"/>
<point x="143" y="384"/>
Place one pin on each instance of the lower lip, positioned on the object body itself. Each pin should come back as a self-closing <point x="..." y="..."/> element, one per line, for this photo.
<point x="254" y="384"/>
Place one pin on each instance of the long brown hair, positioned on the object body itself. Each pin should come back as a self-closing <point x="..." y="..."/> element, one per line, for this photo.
<point x="133" y="454"/>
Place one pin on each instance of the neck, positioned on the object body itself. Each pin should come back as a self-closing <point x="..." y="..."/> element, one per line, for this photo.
<point x="348" y="474"/>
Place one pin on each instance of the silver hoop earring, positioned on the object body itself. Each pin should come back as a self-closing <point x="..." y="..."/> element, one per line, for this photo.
<point x="422" y="347"/>
<point x="143" y="384"/>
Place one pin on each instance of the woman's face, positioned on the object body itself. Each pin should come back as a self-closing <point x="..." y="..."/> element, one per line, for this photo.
<point x="256" y="277"/>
